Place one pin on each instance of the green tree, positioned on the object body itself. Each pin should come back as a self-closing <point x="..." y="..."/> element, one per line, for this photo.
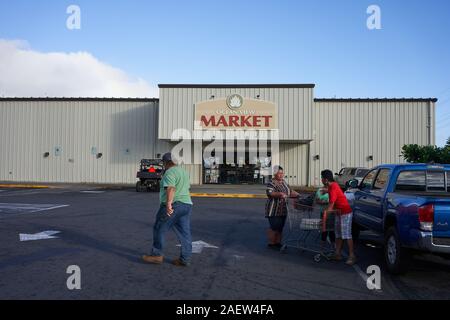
<point x="426" y="154"/>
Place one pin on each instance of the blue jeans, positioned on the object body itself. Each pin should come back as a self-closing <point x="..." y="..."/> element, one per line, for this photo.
<point x="180" y="221"/>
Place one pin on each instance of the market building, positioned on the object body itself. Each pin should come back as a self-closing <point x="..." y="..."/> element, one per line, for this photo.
<point x="225" y="134"/>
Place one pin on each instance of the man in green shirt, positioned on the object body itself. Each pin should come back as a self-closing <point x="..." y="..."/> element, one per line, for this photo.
<point x="174" y="212"/>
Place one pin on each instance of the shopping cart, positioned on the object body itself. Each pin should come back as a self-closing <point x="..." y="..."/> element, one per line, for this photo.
<point x="305" y="225"/>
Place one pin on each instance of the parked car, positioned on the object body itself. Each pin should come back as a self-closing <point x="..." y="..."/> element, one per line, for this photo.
<point x="347" y="174"/>
<point x="409" y="206"/>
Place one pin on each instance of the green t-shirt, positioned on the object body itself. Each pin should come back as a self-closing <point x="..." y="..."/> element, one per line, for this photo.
<point x="175" y="177"/>
<point x="322" y="197"/>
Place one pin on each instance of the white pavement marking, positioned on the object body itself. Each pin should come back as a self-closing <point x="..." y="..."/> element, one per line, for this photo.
<point x="38" y="236"/>
<point x="19" y="208"/>
<point x="361" y="273"/>
<point x="197" y="246"/>
<point x="364" y="277"/>
<point x="51" y="208"/>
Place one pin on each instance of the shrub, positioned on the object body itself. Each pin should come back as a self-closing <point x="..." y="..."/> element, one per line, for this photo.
<point x="427" y="154"/>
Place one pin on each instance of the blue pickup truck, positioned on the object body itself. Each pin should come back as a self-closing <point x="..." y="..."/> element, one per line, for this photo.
<point x="409" y="206"/>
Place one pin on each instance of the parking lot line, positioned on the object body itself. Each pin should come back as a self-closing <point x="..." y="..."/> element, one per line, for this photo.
<point x="21" y="208"/>
<point x="51" y="208"/>
<point x="365" y="277"/>
<point x="360" y="272"/>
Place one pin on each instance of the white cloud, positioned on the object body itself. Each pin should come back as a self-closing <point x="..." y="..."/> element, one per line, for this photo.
<point x="28" y="73"/>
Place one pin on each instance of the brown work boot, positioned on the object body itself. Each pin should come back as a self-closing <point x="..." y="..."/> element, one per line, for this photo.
<point x="153" y="259"/>
<point x="180" y="263"/>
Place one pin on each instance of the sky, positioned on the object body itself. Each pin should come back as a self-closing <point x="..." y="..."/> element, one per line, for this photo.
<point x="125" y="48"/>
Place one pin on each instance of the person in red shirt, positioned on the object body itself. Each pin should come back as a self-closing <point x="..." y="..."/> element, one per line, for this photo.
<point x="343" y="219"/>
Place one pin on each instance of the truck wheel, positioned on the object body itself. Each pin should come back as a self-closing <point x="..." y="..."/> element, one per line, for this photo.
<point x="140" y="187"/>
<point x="396" y="257"/>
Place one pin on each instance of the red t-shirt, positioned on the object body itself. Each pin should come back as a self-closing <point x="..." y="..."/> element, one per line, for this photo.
<point x="337" y="196"/>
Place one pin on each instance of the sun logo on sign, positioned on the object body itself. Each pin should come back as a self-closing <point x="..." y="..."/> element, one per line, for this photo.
<point x="235" y="101"/>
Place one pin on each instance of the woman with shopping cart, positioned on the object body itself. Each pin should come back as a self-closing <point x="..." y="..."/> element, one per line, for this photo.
<point x="276" y="206"/>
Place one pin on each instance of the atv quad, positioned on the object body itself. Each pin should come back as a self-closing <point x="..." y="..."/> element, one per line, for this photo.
<point x="149" y="175"/>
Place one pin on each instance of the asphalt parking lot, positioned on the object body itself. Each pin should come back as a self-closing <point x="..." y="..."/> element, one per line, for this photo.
<point x="105" y="233"/>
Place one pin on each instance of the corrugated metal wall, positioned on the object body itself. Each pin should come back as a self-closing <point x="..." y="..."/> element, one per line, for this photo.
<point x="294" y="108"/>
<point x="195" y="173"/>
<point x="28" y="129"/>
<point x="346" y="133"/>
<point x="294" y="160"/>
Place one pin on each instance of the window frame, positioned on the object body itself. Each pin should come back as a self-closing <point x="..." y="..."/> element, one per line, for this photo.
<point x="357" y="174"/>
<point x="418" y="171"/>
<point x="427" y="172"/>
<point x="447" y="180"/>
<point x="371" y="186"/>
<point x="389" y="170"/>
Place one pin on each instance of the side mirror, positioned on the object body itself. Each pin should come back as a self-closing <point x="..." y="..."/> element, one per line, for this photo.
<point x="353" y="183"/>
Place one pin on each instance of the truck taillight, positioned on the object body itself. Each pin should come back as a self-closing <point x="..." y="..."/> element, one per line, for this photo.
<point x="426" y="217"/>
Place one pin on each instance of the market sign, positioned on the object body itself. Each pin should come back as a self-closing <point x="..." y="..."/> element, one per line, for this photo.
<point x="235" y="112"/>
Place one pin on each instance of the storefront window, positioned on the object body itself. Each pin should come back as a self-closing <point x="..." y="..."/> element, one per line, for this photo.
<point x="238" y="171"/>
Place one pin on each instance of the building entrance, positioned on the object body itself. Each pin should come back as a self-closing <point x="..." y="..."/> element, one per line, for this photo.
<point x="240" y="169"/>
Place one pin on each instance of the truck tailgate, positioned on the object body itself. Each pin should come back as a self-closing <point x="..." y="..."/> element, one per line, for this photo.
<point x="441" y="227"/>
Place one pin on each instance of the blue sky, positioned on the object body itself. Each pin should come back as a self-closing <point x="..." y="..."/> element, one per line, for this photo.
<point x="264" y="41"/>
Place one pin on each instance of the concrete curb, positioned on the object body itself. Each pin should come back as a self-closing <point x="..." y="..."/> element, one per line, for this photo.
<point x="229" y="195"/>
<point x="27" y="186"/>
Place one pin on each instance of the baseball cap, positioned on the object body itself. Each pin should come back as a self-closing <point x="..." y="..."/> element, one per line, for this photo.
<point x="167" y="157"/>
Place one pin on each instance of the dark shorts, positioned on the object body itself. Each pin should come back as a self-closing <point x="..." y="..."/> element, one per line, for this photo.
<point x="277" y="223"/>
